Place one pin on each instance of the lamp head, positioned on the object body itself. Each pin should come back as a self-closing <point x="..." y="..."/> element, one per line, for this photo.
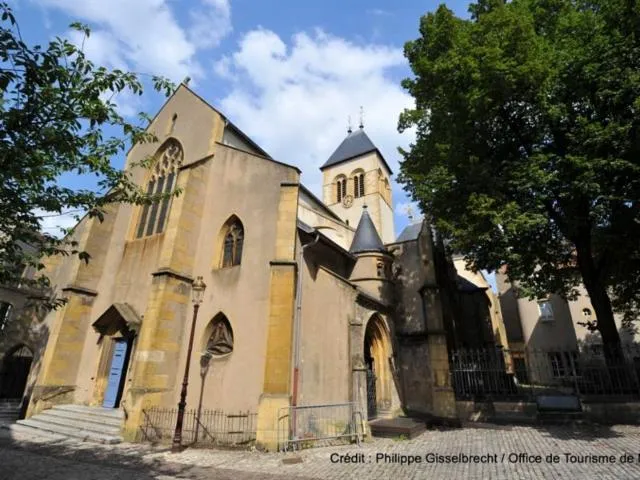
<point x="197" y="290"/>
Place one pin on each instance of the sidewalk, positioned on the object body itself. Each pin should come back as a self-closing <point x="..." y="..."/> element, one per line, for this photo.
<point x="497" y="452"/>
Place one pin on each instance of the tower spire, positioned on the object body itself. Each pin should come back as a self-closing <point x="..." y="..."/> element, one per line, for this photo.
<point x="361" y="117"/>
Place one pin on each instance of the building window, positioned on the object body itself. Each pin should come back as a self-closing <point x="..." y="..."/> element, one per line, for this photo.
<point x="358" y="183"/>
<point x="341" y="188"/>
<point x="163" y="178"/>
<point x="233" y="243"/>
<point x="5" y="313"/>
<point x="220" y="341"/>
<point x="546" y="311"/>
<point x="380" y="269"/>
<point x="564" y="364"/>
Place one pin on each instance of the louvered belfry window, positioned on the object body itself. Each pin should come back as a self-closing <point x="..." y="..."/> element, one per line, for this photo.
<point x="153" y="217"/>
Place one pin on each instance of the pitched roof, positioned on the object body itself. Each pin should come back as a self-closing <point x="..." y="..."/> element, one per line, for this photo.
<point x="366" y="238"/>
<point x="356" y="144"/>
<point x="410" y="232"/>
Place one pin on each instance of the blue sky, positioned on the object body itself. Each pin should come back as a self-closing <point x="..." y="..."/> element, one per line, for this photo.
<point x="288" y="73"/>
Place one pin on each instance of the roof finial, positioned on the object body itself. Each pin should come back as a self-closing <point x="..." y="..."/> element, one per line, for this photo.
<point x="361" y="117"/>
<point x="364" y="207"/>
<point x="410" y="214"/>
<point x="349" y="130"/>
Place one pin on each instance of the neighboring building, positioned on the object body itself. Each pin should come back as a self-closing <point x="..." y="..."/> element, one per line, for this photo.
<point x="22" y="334"/>
<point x="552" y="322"/>
<point x="300" y="307"/>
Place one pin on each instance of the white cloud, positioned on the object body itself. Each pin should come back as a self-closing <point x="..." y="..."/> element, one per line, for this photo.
<point x="379" y="12"/>
<point x="145" y="35"/>
<point x="54" y="223"/>
<point x="294" y="99"/>
<point x="211" y="23"/>
<point x="409" y="210"/>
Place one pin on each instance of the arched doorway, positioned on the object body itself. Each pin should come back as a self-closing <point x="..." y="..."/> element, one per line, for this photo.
<point x="377" y="352"/>
<point x="15" y="372"/>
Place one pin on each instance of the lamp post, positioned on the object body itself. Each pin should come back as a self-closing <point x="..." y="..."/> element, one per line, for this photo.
<point x="197" y="294"/>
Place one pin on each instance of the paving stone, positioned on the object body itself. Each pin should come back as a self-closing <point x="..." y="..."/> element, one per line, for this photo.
<point x="505" y="452"/>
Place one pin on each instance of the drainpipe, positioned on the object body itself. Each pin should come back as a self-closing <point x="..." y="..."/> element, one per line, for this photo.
<point x="296" y="323"/>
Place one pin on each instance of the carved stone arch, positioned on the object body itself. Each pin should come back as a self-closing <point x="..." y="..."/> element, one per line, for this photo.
<point x="378" y="358"/>
<point x="218" y="339"/>
<point x="168" y="158"/>
<point x="230" y="243"/>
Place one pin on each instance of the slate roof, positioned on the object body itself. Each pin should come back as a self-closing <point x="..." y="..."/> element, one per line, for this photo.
<point x="410" y="232"/>
<point x="467" y="286"/>
<point x="356" y="144"/>
<point x="366" y="238"/>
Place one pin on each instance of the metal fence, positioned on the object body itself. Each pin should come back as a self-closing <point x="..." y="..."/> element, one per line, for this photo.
<point x="523" y="374"/>
<point x="204" y="427"/>
<point x="305" y="426"/>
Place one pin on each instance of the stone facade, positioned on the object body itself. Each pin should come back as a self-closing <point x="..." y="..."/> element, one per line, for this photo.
<point x="301" y="317"/>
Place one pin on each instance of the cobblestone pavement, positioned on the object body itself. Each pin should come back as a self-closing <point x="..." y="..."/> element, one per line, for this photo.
<point x="507" y="452"/>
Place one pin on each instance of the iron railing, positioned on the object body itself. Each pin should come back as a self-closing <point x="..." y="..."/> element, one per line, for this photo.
<point x="523" y="374"/>
<point x="305" y="426"/>
<point x="204" y="427"/>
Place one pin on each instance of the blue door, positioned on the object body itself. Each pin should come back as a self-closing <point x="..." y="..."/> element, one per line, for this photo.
<point x="116" y="374"/>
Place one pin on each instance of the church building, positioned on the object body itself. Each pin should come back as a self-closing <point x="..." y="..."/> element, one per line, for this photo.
<point x="308" y="301"/>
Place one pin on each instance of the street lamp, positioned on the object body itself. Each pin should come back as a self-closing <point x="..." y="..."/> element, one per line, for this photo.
<point x="197" y="294"/>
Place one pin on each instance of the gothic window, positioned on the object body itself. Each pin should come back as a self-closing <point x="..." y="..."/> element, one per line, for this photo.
<point x="361" y="185"/>
<point x="162" y="181"/>
<point x="232" y="245"/>
<point x="220" y="340"/>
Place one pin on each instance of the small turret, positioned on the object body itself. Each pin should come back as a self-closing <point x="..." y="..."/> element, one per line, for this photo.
<point x="372" y="272"/>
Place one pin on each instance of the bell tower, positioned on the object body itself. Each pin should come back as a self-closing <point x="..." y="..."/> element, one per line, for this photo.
<point x="355" y="175"/>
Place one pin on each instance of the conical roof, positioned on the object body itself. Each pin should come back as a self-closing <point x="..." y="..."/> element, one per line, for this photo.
<point x="356" y="144"/>
<point x="366" y="238"/>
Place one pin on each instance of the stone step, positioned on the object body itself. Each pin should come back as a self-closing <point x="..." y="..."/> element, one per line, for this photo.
<point x="68" y="431"/>
<point x="49" y="416"/>
<point x="93" y="411"/>
<point x="24" y="430"/>
<point x="85" y="417"/>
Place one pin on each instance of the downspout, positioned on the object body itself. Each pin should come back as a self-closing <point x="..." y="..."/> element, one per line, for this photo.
<point x="296" y="323"/>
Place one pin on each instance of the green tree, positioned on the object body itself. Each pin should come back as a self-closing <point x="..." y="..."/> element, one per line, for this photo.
<point x="527" y="150"/>
<point x="55" y="110"/>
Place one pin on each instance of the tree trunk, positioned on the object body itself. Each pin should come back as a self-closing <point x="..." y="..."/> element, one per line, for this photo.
<point x="598" y="296"/>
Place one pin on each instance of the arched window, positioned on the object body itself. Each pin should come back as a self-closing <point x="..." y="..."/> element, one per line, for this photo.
<point x="358" y="183"/>
<point x="220" y="341"/>
<point x="232" y="243"/>
<point x="162" y="181"/>
<point x="341" y="187"/>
